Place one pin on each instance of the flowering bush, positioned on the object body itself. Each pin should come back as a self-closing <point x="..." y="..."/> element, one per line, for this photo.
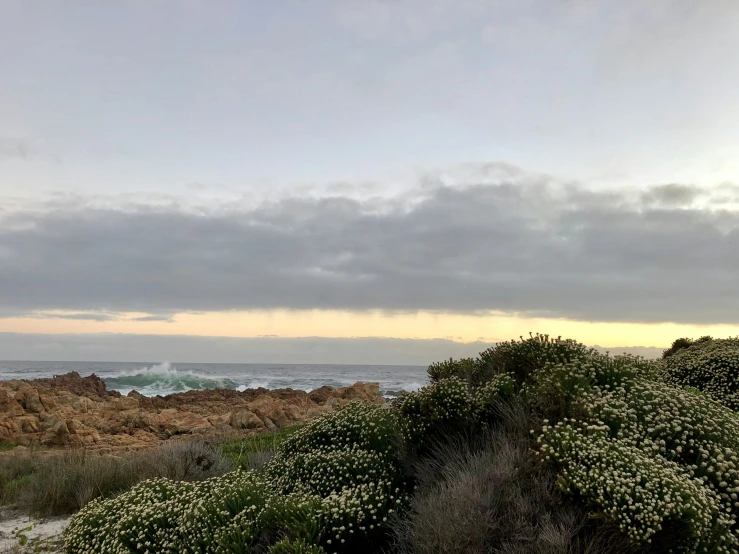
<point x="467" y="369"/>
<point x="649" y="445"/>
<point x="330" y="488"/>
<point x="680" y="344"/>
<point x="632" y="424"/>
<point x="433" y="411"/>
<point x="486" y="397"/>
<point x="711" y="366"/>
<point x="522" y="358"/>
<point x="287" y="546"/>
<point x="641" y="492"/>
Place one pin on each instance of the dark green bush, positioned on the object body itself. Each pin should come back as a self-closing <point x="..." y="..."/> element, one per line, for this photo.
<point x="521" y="358"/>
<point x="711" y="366"/>
<point x="683" y="343"/>
<point x="466" y="369"/>
<point x="442" y="408"/>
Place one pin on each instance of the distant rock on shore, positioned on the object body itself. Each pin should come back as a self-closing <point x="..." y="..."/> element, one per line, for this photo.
<point x="73" y="410"/>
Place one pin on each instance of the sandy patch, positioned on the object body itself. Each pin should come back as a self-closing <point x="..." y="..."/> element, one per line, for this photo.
<point x="20" y="534"/>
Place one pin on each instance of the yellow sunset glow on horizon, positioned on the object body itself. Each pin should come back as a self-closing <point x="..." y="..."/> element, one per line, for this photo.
<point x="489" y="327"/>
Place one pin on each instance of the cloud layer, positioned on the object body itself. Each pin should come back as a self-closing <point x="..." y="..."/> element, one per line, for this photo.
<point x="105" y="347"/>
<point x="527" y="245"/>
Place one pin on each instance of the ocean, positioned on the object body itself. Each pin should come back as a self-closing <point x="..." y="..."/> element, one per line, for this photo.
<point x="151" y="379"/>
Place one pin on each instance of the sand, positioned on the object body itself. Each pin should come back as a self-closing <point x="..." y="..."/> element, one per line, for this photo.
<point x="43" y="535"/>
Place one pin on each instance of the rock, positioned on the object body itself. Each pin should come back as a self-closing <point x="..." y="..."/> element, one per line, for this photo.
<point x="245" y="419"/>
<point x="73" y="410"/>
<point x="47" y="402"/>
<point x="29" y="399"/>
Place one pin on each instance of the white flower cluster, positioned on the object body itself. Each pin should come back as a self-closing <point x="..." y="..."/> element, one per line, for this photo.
<point x="522" y="358"/>
<point x="485" y="397"/>
<point x="711" y="367"/>
<point x="635" y="430"/>
<point x="161" y="515"/>
<point x="637" y="490"/>
<point x="425" y="414"/>
<point x="332" y="485"/>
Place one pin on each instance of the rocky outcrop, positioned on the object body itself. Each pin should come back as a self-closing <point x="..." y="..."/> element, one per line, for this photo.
<point x="74" y="410"/>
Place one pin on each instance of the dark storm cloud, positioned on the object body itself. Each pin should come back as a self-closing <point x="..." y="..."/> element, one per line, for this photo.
<point x="529" y="247"/>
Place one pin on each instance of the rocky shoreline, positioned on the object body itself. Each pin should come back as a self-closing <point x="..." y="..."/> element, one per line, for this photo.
<point x="70" y="410"/>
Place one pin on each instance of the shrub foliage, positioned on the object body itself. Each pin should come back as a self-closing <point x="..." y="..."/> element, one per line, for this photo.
<point x="581" y="452"/>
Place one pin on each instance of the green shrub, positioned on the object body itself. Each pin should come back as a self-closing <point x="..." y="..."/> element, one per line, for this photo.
<point x="683" y="343"/>
<point x="522" y="358"/>
<point x="207" y="520"/>
<point x="711" y="366"/>
<point x="287" y="546"/>
<point x="333" y="483"/>
<point x="644" y="494"/>
<point x="466" y="369"/>
<point x="433" y="412"/>
<point x="487" y="398"/>
<point x="633" y="423"/>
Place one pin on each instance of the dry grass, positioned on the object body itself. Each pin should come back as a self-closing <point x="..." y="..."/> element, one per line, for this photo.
<point x="488" y="495"/>
<point x="62" y="484"/>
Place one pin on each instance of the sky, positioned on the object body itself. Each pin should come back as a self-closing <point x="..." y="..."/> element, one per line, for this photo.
<point x="179" y="175"/>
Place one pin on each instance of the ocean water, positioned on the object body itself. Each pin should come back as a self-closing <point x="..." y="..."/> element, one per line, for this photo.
<point x="151" y="379"/>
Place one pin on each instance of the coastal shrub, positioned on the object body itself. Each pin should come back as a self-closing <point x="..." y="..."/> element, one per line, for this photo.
<point x="368" y="426"/>
<point x="711" y="366"/>
<point x="348" y="459"/>
<point x="466" y="369"/>
<point x="443" y="407"/>
<point x="207" y="519"/>
<point x="491" y="495"/>
<point x="288" y="546"/>
<point x="521" y="358"/>
<point x="332" y="484"/>
<point x="682" y="343"/>
<point x="644" y="494"/>
<point x="487" y="397"/>
<point x="633" y="425"/>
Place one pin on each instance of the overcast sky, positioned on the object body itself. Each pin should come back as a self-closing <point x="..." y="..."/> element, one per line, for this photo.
<point x="409" y="169"/>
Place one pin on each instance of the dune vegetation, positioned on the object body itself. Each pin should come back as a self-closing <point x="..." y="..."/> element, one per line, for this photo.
<point x="538" y="445"/>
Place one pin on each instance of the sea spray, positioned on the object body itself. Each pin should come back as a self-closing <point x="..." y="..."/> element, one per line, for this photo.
<point x="164" y="379"/>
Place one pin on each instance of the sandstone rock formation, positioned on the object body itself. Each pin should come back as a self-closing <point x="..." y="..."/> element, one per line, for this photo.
<point x="74" y="410"/>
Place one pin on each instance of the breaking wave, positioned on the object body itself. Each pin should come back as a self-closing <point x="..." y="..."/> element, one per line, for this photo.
<point x="163" y="379"/>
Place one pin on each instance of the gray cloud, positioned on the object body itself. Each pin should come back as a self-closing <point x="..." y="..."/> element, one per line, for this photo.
<point x="11" y="148"/>
<point x="526" y="245"/>
<point x="109" y="347"/>
<point x="671" y="195"/>
<point x="154" y="317"/>
<point x="85" y="316"/>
